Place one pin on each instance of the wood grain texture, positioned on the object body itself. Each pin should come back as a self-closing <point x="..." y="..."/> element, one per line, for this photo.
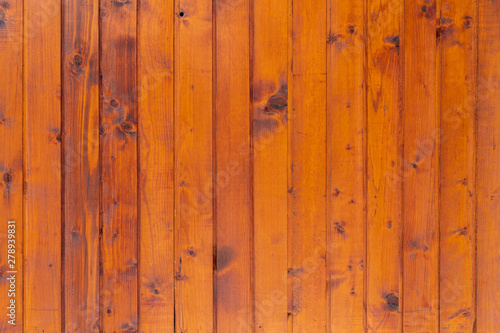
<point x="80" y="139"/>
<point x="232" y="181"/>
<point x="421" y="167"/>
<point x="244" y="166"/>
<point x="11" y="161"/>
<point x="194" y="162"/>
<point x="488" y="179"/>
<point x="118" y="153"/>
<point x="458" y="165"/>
<point x="155" y="56"/>
<point x="308" y="169"/>
<point x="42" y="156"/>
<point x="270" y="150"/>
<point x="347" y="164"/>
<point x="384" y="167"/>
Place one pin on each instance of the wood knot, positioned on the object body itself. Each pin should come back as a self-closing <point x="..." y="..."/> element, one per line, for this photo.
<point x="191" y="252"/>
<point x="127" y="127"/>
<point x="78" y="60"/>
<point x="392" y="302"/>
<point x="114" y="103"/>
<point x="467" y="22"/>
<point x="393" y="39"/>
<point x="277" y="104"/>
<point x="351" y="29"/>
<point x="332" y="38"/>
<point x="7" y="177"/>
<point x="55" y="135"/>
<point x="428" y="10"/>
<point x="122" y="2"/>
<point x="339" y="227"/>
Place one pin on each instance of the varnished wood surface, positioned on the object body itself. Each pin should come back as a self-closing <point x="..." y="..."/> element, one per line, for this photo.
<point x="245" y="166"/>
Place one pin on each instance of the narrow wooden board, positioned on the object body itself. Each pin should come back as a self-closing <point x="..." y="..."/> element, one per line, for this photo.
<point x="309" y="168"/>
<point x="421" y="167"/>
<point x="155" y="55"/>
<point x="347" y="164"/>
<point x="384" y="167"/>
<point x="270" y="144"/>
<point x="194" y="148"/>
<point x="233" y="168"/>
<point x="118" y="153"/>
<point x="42" y="156"/>
<point x="457" y="208"/>
<point x="488" y="177"/>
<point x="80" y="138"/>
<point x="11" y="164"/>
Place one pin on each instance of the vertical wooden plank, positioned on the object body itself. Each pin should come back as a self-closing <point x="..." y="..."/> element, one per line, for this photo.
<point x="290" y="221"/>
<point x="488" y="178"/>
<point x="42" y="135"/>
<point x="308" y="163"/>
<point x="384" y="149"/>
<point x="421" y="167"/>
<point x="457" y="156"/>
<point x="194" y="204"/>
<point x="270" y="125"/>
<point x="347" y="164"/>
<point x="233" y="181"/>
<point x="80" y="138"/>
<point x="11" y="165"/>
<point x="118" y="166"/>
<point x="156" y="155"/>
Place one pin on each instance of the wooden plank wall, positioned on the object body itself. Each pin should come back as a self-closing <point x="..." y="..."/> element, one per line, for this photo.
<point x="244" y="166"/>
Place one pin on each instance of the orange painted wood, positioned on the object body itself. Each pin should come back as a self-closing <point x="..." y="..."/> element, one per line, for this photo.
<point x="80" y="139"/>
<point x="232" y="180"/>
<point x="488" y="179"/>
<point x="384" y="167"/>
<point x="194" y="167"/>
<point x="11" y="162"/>
<point x="458" y="165"/>
<point x="250" y="166"/>
<point x="42" y="168"/>
<point x="118" y="149"/>
<point x="270" y="149"/>
<point x="308" y="192"/>
<point x="347" y="164"/>
<point x="155" y="80"/>
<point x="421" y="167"/>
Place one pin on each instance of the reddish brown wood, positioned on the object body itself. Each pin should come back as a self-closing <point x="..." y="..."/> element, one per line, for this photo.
<point x="155" y="107"/>
<point x="119" y="166"/>
<point x="250" y="166"/>
<point x="80" y="114"/>
<point x="11" y="165"/>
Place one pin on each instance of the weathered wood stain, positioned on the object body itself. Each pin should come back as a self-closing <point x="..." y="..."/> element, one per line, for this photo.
<point x="239" y="166"/>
